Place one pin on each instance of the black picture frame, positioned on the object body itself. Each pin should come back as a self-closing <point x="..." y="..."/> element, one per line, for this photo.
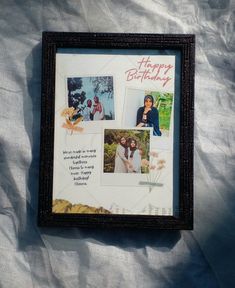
<point x="185" y="44"/>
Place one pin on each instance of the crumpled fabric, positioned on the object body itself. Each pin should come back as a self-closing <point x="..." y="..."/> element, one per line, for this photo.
<point x="58" y="257"/>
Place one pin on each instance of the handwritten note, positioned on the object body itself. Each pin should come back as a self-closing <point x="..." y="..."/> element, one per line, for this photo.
<point x="80" y="164"/>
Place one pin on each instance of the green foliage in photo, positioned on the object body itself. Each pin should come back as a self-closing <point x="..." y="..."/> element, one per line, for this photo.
<point x="163" y="102"/>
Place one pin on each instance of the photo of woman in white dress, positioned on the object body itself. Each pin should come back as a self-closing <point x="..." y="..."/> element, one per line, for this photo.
<point x="98" y="110"/>
<point x="121" y="157"/>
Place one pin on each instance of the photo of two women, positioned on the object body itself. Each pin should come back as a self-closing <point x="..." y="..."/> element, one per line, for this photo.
<point x="124" y="150"/>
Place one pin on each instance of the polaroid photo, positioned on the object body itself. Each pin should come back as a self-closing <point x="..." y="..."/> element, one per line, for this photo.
<point x="124" y="153"/>
<point x="91" y="97"/>
<point x="146" y="108"/>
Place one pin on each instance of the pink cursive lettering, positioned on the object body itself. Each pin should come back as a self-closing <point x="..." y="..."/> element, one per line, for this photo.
<point x="149" y="71"/>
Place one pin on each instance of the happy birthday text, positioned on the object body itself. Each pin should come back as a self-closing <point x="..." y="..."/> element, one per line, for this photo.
<point x="147" y="70"/>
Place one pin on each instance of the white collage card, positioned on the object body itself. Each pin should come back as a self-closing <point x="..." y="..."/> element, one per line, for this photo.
<point x="113" y="141"/>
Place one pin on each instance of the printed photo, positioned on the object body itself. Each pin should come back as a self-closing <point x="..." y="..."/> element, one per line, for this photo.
<point x="92" y="98"/>
<point x="145" y="108"/>
<point x="126" y="151"/>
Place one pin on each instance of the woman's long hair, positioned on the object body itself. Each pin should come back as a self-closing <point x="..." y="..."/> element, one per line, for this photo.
<point x="125" y="146"/>
<point x="132" y="149"/>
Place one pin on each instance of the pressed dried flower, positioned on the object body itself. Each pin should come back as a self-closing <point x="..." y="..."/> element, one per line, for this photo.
<point x="152" y="167"/>
<point x="161" y="161"/>
<point x="68" y="112"/>
<point x="71" y="127"/>
<point x="153" y="154"/>
<point x="160" y="167"/>
<point x="144" y="163"/>
<point x="77" y="121"/>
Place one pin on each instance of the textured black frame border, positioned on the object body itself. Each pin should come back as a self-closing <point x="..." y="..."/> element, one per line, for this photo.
<point x="51" y="41"/>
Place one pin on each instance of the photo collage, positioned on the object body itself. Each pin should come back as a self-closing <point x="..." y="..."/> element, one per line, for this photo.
<point x="114" y="134"/>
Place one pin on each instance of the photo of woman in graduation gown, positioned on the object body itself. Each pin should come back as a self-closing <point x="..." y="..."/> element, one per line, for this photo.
<point x="134" y="165"/>
<point x="147" y="116"/>
<point x="121" y="157"/>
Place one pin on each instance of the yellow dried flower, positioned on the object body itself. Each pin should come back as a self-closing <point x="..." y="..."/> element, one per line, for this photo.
<point x="68" y="112"/>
